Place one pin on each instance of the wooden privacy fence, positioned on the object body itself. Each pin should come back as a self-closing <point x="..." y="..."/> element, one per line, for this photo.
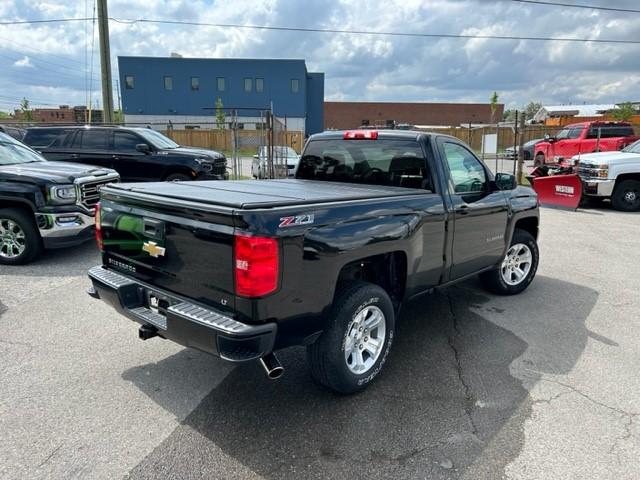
<point x="222" y="139"/>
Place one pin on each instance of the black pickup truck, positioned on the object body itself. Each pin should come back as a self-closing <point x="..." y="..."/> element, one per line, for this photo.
<point x="372" y="219"/>
<point x="44" y="204"/>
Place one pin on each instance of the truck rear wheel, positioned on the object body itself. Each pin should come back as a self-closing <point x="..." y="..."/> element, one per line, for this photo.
<point x="626" y="196"/>
<point x="350" y="353"/>
<point x="539" y="160"/>
<point x="20" y="240"/>
<point x="518" y="267"/>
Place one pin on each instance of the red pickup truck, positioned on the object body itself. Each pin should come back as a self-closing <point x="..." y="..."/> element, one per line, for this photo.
<point x="585" y="137"/>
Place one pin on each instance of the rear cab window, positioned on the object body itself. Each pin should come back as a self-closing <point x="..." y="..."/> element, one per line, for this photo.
<point x="383" y="161"/>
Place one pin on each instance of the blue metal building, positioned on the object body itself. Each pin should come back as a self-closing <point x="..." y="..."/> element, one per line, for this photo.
<point x="155" y="90"/>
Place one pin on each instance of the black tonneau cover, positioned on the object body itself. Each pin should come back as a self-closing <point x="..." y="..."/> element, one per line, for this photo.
<point x="249" y="194"/>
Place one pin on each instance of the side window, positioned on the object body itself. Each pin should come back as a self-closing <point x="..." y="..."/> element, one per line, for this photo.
<point x="575" y="133"/>
<point x="92" y="139"/>
<point x="467" y="173"/>
<point x="125" y="142"/>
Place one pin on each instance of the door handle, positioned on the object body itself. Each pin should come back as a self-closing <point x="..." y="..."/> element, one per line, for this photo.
<point x="463" y="210"/>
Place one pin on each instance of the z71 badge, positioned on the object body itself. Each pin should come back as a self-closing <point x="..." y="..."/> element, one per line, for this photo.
<point x="296" y="220"/>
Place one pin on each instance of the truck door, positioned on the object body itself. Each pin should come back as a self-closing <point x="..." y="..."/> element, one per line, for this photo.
<point x="480" y="212"/>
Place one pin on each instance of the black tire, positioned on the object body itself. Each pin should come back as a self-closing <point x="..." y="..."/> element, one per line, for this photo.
<point x="326" y="356"/>
<point x="626" y="196"/>
<point x="32" y="241"/>
<point x="178" y="177"/>
<point x="494" y="280"/>
<point x="539" y="160"/>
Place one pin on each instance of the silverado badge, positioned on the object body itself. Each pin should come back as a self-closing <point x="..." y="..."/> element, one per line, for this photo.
<point x="153" y="249"/>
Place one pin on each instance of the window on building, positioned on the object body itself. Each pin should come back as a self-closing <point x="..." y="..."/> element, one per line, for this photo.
<point x="168" y="83"/>
<point x="220" y="84"/>
<point x="295" y="85"/>
<point x="128" y="82"/>
<point x="259" y="85"/>
<point x="248" y="85"/>
<point x="365" y="123"/>
<point x="195" y="83"/>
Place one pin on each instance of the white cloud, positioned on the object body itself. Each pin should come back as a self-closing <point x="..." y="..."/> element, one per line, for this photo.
<point x="357" y="67"/>
<point x="24" y="62"/>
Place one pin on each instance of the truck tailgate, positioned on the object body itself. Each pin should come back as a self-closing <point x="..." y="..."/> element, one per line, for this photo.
<point x="187" y="255"/>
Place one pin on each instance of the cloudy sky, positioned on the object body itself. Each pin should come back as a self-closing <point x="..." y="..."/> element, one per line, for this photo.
<point x="51" y="63"/>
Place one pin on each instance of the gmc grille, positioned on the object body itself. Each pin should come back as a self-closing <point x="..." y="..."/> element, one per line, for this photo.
<point x="90" y="192"/>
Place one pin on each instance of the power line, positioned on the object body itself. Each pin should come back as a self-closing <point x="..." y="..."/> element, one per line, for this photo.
<point x="371" y="32"/>
<point x="51" y="20"/>
<point x="359" y="32"/>
<point x="573" y="5"/>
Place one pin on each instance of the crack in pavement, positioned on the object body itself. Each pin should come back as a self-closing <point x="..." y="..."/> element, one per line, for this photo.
<point x="469" y="398"/>
<point x="53" y="452"/>
<point x="630" y="416"/>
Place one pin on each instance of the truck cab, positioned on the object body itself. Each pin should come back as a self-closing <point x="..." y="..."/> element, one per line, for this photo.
<point x="581" y="138"/>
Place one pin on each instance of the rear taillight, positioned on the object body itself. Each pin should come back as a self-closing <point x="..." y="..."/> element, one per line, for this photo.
<point x="360" y="135"/>
<point x="99" y="228"/>
<point x="256" y="265"/>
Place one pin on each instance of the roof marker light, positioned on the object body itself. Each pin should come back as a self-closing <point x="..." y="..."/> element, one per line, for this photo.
<point x="361" y="135"/>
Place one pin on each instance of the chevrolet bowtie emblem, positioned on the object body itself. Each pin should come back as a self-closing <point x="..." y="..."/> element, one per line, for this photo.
<point x="153" y="249"/>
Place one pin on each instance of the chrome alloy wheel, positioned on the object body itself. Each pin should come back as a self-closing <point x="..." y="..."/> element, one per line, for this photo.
<point x="516" y="264"/>
<point x="12" y="239"/>
<point x="364" y="340"/>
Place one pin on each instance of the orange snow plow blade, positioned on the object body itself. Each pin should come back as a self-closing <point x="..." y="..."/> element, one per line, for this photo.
<point x="563" y="191"/>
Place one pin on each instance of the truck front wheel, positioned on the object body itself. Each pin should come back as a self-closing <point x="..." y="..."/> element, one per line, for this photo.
<point x="518" y="267"/>
<point x="352" y="350"/>
<point x="20" y="240"/>
<point x="626" y="196"/>
<point x="539" y="160"/>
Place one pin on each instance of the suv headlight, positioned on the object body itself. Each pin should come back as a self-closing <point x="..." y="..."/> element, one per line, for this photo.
<point x="206" y="164"/>
<point x="63" y="194"/>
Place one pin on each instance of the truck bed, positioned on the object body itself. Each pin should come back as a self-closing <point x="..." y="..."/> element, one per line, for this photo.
<point x="250" y="194"/>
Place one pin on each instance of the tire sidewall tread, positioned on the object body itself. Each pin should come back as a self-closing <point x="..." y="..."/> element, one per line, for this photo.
<point x="326" y="355"/>
<point x="493" y="279"/>
<point x="32" y="235"/>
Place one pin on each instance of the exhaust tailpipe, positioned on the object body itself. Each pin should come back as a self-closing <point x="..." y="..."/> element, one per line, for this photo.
<point x="271" y="366"/>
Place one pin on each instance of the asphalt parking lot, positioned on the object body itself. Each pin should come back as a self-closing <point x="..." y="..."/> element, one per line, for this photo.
<point x="544" y="385"/>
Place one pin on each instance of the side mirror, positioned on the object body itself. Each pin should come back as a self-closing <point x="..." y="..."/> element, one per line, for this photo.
<point x="143" y="148"/>
<point x="505" y="181"/>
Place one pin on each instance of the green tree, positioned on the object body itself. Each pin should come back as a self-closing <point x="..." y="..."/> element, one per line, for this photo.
<point x="509" y="115"/>
<point x="27" y="113"/>
<point x="494" y="105"/>
<point x="623" y="112"/>
<point x="4" y="115"/>
<point x="118" y="117"/>
<point x="220" y="116"/>
<point x="531" y="109"/>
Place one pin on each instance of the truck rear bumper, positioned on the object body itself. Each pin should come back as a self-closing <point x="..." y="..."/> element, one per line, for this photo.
<point x="178" y="319"/>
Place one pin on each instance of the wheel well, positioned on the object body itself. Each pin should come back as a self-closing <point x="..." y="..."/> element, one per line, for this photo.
<point x="628" y="176"/>
<point x="529" y="224"/>
<point x="388" y="270"/>
<point x="19" y="205"/>
<point x="183" y="171"/>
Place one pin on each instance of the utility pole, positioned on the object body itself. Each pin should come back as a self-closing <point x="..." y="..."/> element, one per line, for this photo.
<point x="521" y="151"/>
<point x="105" y="62"/>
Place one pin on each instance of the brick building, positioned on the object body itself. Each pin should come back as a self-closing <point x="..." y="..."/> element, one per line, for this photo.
<point x="63" y="114"/>
<point x="345" y="115"/>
